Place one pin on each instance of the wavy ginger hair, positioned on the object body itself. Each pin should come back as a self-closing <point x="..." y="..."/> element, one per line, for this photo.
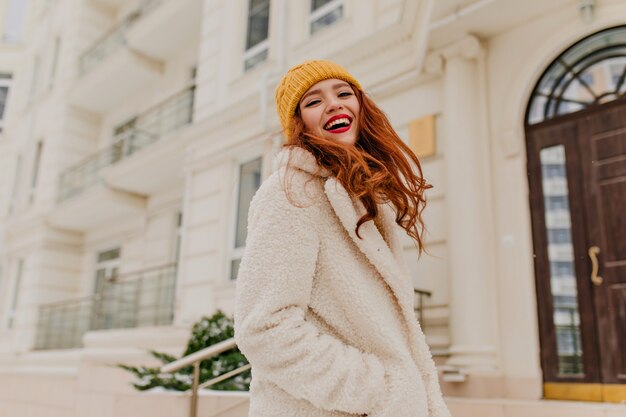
<point x="378" y="168"/>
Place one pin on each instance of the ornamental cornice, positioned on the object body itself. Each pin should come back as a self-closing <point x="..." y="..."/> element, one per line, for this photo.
<point x="470" y="47"/>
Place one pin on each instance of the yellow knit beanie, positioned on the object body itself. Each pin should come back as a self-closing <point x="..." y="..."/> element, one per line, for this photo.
<point x="299" y="79"/>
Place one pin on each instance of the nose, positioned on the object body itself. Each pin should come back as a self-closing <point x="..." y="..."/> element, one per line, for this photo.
<point x="333" y="104"/>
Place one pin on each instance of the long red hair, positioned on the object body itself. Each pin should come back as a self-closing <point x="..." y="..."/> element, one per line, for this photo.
<point x="378" y="168"/>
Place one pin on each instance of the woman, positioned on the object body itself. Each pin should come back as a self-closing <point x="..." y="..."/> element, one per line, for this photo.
<point x="324" y="308"/>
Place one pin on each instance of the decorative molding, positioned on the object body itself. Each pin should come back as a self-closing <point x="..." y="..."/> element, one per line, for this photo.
<point x="470" y="47"/>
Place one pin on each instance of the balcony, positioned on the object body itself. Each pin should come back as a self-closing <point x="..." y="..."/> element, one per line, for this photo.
<point x="156" y="133"/>
<point x="172" y="23"/>
<point x="138" y="299"/>
<point x="92" y="177"/>
<point x="111" y="70"/>
<point x="98" y="206"/>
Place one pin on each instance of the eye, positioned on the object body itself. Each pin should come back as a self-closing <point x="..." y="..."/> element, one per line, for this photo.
<point x="345" y="94"/>
<point x="312" y="102"/>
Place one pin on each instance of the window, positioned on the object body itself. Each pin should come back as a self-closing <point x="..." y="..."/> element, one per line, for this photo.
<point x="257" y="43"/>
<point x="16" y="183"/>
<point x="5" y="83"/>
<point x="14" y="21"/>
<point x="591" y="72"/>
<point x="16" y="293"/>
<point x="325" y="13"/>
<point x="34" y="80"/>
<point x="55" y="62"/>
<point x="107" y="267"/>
<point x="35" y="175"/>
<point x="249" y="183"/>
<point x="179" y="237"/>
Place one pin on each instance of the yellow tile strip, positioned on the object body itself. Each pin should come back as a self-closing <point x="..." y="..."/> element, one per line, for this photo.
<point x="615" y="393"/>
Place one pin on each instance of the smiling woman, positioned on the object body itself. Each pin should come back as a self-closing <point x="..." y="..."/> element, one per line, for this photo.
<point x="324" y="307"/>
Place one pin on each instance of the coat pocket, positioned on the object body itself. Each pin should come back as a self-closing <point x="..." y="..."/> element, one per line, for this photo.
<point x="405" y="393"/>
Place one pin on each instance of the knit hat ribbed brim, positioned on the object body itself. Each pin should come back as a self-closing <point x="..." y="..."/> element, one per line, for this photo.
<point x="299" y="79"/>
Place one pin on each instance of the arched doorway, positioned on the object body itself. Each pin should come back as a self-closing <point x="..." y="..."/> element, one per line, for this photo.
<point x="576" y="149"/>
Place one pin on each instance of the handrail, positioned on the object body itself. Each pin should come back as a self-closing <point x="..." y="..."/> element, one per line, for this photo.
<point x="420" y="308"/>
<point x="422" y="292"/>
<point x="200" y="355"/>
<point x="194" y="360"/>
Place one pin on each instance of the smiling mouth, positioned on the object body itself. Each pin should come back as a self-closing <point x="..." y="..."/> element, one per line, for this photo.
<point x="338" y="125"/>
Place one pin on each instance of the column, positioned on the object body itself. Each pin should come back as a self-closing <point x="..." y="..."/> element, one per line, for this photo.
<point x="473" y="323"/>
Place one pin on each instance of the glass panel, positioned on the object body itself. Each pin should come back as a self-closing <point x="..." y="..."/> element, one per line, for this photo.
<point x="249" y="183"/>
<point x="316" y="4"/>
<point x="109" y="255"/>
<point x="327" y="20"/>
<point x="258" y="22"/>
<point x="16" y="292"/>
<point x="234" y="268"/>
<point x="561" y="258"/>
<point x="4" y="92"/>
<point x="14" y="20"/>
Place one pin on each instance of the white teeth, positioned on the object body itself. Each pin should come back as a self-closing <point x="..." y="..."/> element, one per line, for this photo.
<point x="336" y="122"/>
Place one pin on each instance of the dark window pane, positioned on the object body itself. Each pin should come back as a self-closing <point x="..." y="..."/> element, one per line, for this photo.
<point x="316" y="4"/>
<point x="258" y="22"/>
<point x="4" y="92"/>
<point x="249" y="183"/>
<point x="563" y="287"/>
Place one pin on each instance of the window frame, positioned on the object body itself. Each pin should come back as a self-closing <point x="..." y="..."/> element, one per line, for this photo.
<point x="234" y="252"/>
<point x="36" y="171"/>
<point x="15" y="294"/>
<point x="54" y="64"/>
<point x="322" y="11"/>
<point x="6" y="79"/>
<point x="260" y="47"/>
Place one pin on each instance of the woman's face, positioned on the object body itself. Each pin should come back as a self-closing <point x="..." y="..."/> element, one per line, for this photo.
<point x="330" y="109"/>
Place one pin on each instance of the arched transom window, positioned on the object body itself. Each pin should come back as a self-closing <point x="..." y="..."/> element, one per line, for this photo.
<point x="591" y="72"/>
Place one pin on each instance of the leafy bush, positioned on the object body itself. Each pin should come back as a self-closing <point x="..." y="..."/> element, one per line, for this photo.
<point x="206" y="332"/>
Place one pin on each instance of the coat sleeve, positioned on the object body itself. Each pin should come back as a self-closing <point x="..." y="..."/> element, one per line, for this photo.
<point x="273" y="292"/>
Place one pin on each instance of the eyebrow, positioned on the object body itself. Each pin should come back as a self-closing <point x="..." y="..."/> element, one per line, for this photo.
<point x="317" y="91"/>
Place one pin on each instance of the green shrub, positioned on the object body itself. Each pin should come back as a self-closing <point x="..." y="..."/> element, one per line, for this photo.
<point x="206" y="332"/>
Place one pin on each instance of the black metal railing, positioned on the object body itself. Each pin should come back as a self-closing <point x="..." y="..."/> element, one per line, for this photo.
<point x="138" y="299"/>
<point x="419" y="306"/>
<point x="160" y="120"/>
<point x="115" y="38"/>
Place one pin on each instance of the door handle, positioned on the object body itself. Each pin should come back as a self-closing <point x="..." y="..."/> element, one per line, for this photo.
<point x="597" y="280"/>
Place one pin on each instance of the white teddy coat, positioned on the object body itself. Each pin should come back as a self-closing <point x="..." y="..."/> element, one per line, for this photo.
<point x="326" y="319"/>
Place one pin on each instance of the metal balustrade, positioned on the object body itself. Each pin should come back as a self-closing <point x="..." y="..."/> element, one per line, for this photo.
<point x="115" y="38"/>
<point x="142" y="298"/>
<point x="194" y="360"/>
<point x="158" y="121"/>
<point x="419" y="306"/>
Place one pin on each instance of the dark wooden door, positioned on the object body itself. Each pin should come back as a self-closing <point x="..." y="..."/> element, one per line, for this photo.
<point x="603" y="145"/>
<point x="577" y="179"/>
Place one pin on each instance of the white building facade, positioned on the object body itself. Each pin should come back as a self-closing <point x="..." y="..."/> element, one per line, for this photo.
<point x="136" y="133"/>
